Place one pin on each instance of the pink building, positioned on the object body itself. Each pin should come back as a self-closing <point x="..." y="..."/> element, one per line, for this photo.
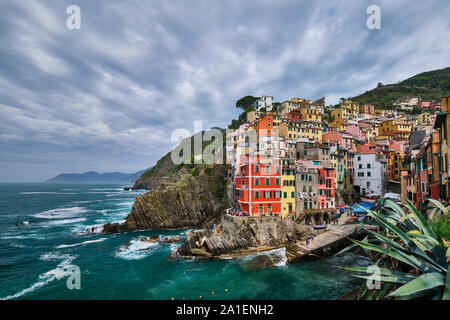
<point x="355" y="131"/>
<point x="340" y="140"/>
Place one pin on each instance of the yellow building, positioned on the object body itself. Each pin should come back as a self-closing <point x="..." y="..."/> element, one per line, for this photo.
<point x="311" y="113"/>
<point x="424" y="119"/>
<point x="340" y="165"/>
<point x="396" y="165"/>
<point x="394" y="125"/>
<point x="349" y="104"/>
<point x="342" y="114"/>
<point x="293" y="104"/>
<point x="288" y="106"/>
<point x="303" y="129"/>
<point x="340" y="126"/>
<point x="288" y="187"/>
<point x="442" y="124"/>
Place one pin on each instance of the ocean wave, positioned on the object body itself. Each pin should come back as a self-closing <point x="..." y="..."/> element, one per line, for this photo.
<point x="28" y="236"/>
<point x="58" y="273"/>
<point x="46" y="192"/>
<point x="60" y="213"/>
<point x="136" y="250"/>
<point x="65" y="221"/>
<point x="265" y="259"/>
<point x="80" y="244"/>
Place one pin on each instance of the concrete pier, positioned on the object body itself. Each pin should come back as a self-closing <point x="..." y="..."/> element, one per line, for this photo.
<point x="324" y="244"/>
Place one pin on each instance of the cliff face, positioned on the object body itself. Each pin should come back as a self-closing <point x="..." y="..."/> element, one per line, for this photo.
<point x="186" y="201"/>
<point x="150" y="179"/>
<point x="239" y="236"/>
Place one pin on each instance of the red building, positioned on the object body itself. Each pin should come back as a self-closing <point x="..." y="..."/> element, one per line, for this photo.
<point x="258" y="186"/>
<point x="293" y="116"/>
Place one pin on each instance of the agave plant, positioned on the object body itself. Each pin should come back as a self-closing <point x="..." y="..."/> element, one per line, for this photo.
<point x="411" y="262"/>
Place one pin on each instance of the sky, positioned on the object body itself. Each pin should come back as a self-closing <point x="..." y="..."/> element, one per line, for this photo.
<point x="107" y="96"/>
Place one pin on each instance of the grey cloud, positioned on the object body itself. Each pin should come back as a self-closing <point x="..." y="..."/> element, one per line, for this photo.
<point x="108" y="96"/>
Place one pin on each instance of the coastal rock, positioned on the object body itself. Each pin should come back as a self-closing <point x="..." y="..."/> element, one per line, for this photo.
<point x="240" y="236"/>
<point x="190" y="202"/>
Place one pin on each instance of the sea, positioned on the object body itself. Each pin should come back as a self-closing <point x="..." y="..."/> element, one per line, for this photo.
<point x="42" y="239"/>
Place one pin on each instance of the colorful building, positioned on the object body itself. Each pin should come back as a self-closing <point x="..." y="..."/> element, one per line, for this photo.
<point x="258" y="186"/>
<point x="288" y="187"/>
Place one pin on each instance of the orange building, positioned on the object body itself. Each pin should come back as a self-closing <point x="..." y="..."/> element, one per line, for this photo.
<point x="265" y="126"/>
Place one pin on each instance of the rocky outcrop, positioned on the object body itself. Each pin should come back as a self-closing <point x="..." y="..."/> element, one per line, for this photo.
<point x="239" y="236"/>
<point x="146" y="183"/>
<point x="186" y="202"/>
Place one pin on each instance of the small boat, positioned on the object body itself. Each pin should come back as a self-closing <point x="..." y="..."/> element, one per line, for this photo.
<point x="320" y="227"/>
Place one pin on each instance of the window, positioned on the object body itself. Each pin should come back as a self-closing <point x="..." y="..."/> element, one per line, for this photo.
<point x="360" y="166"/>
<point x="256" y="181"/>
<point x="267" y="169"/>
<point x="368" y="166"/>
<point x="292" y="194"/>
<point x="360" y="174"/>
<point x="285" y="195"/>
<point x="256" y="168"/>
<point x="256" y="194"/>
<point x="266" y="194"/>
<point x="277" y="181"/>
<point x="267" y="181"/>
<point x="369" y="174"/>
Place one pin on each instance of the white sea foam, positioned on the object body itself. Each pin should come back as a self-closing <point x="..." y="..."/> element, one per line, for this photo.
<point x="28" y="236"/>
<point x="136" y="250"/>
<point x="61" y="213"/>
<point x="44" y="192"/>
<point x="65" y="221"/>
<point x="80" y="244"/>
<point x="55" y="274"/>
<point x="280" y="253"/>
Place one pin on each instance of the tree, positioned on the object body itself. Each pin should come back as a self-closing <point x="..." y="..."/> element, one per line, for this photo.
<point x="246" y="102"/>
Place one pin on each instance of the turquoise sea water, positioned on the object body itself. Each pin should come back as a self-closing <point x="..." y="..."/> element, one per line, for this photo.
<point x="40" y="235"/>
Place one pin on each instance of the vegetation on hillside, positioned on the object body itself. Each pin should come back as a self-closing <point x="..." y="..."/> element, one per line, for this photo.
<point x="165" y="165"/>
<point x="429" y="85"/>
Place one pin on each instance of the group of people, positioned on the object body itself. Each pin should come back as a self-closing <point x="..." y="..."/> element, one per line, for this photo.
<point x="238" y="212"/>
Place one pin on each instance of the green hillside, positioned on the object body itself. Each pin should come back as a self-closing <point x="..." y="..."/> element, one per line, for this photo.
<point x="431" y="85"/>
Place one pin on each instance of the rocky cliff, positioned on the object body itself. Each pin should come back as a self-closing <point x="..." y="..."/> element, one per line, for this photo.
<point x="190" y="199"/>
<point x="150" y="179"/>
<point x="238" y="236"/>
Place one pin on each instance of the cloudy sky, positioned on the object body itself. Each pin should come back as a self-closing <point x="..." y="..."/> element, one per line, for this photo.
<point x="108" y="96"/>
